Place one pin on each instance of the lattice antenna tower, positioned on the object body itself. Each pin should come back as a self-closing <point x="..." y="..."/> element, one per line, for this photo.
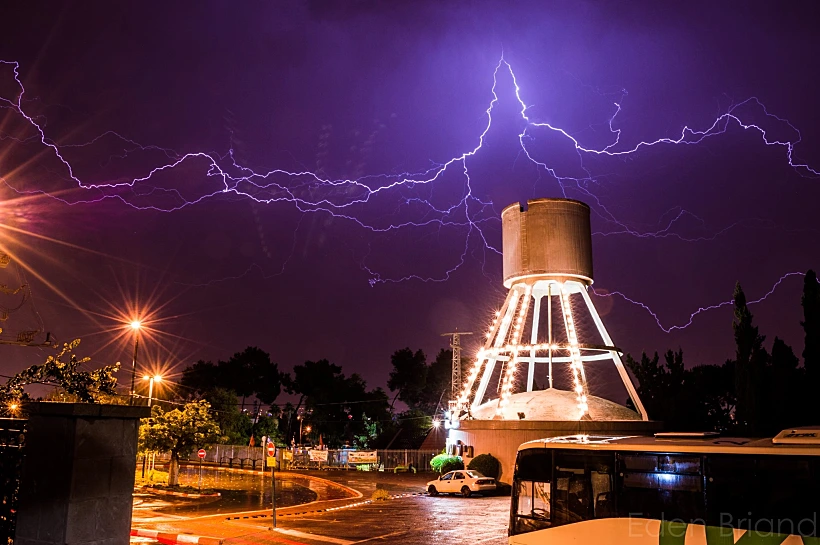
<point x="455" y="344"/>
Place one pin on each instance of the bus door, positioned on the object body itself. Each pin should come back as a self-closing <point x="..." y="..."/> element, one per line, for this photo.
<point x="583" y="486"/>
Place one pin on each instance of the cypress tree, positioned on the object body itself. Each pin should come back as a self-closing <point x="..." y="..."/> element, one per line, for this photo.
<point x="750" y="362"/>
<point x="811" y="326"/>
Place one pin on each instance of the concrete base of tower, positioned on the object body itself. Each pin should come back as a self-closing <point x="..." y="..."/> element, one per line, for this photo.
<point x="545" y="413"/>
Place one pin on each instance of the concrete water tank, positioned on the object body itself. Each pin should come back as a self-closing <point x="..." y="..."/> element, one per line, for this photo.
<point x="552" y="239"/>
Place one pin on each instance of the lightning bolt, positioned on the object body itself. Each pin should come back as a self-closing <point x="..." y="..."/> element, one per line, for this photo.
<point x="352" y="199"/>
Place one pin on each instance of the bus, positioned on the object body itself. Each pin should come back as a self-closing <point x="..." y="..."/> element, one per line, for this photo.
<point x="670" y="489"/>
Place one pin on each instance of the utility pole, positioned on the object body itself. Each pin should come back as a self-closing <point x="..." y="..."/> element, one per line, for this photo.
<point x="455" y="344"/>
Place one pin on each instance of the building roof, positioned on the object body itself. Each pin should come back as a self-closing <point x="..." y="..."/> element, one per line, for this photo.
<point x="665" y="443"/>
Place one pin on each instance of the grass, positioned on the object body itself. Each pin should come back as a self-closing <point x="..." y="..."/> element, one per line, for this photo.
<point x="380" y="494"/>
<point x="159" y="479"/>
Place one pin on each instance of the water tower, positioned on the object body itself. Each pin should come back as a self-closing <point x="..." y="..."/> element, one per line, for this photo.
<point x="530" y="379"/>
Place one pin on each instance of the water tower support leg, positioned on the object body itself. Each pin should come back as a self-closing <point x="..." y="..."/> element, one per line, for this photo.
<point x="630" y="388"/>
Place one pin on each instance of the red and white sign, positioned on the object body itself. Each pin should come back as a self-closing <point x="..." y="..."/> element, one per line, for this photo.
<point x="271" y="450"/>
<point x="201" y="453"/>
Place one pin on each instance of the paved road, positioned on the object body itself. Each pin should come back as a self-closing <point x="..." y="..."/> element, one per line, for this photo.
<point x="417" y="520"/>
<point x="411" y="519"/>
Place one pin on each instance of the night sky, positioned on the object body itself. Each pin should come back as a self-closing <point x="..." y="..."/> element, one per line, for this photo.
<point x="346" y="259"/>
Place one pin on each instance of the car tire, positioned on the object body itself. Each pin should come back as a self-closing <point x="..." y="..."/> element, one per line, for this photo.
<point x="432" y="490"/>
<point x="466" y="492"/>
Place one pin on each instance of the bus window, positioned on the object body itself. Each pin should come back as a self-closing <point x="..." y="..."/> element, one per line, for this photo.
<point x="532" y="508"/>
<point x="583" y="486"/>
<point x="661" y="487"/>
<point x="774" y="494"/>
<point x="531" y="499"/>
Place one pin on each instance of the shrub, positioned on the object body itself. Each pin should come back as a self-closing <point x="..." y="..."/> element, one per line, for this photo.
<point x="486" y="464"/>
<point x="444" y="463"/>
<point x="380" y="494"/>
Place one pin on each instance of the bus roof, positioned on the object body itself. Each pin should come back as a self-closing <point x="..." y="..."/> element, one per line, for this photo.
<point x="671" y="444"/>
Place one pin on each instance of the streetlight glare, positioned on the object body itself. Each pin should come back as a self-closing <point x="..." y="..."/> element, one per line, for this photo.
<point x="157" y="378"/>
<point x="136" y="324"/>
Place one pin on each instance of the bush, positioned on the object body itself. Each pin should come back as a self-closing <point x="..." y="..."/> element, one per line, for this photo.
<point x="486" y="464"/>
<point x="156" y="476"/>
<point x="380" y="494"/>
<point x="444" y="463"/>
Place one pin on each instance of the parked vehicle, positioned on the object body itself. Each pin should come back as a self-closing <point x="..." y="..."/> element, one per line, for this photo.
<point x="463" y="482"/>
<point x="673" y="487"/>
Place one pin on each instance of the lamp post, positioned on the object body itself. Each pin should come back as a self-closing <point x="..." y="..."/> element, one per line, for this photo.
<point x="135" y="325"/>
<point x="151" y="380"/>
<point x="307" y="429"/>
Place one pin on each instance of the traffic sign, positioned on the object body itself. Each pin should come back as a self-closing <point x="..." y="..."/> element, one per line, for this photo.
<point x="201" y="453"/>
<point x="271" y="450"/>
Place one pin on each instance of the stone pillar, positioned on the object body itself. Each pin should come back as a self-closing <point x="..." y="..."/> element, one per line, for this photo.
<point x="78" y="474"/>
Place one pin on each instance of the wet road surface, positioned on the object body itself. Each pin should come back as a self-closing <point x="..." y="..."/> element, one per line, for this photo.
<point x="411" y="520"/>
<point x="418" y="520"/>
<point x="239" y="492"/>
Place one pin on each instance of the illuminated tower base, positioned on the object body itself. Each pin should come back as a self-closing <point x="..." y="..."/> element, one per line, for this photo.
<point x="542" y="326"/>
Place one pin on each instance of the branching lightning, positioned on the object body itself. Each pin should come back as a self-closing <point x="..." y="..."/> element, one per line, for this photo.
<point x="350" y="199"/>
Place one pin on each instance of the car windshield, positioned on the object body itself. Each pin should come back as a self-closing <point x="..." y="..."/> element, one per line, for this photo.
<point x="474" y="474"/>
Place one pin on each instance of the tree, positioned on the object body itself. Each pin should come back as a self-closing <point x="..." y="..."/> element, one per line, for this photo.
<point x="419" y="385"/>
<point x="201" y="377"/>
<point x="246" y="373"/>
<point x="83" y="386"/>
<point x="179" y="431"/>
<point x="252" y="372"/>
<point x="784" y="382"/>
<point x="811" y="327"/>
<point x="696" y="399"/>
<point x="661" y="386"/>
<point x="439" y="383"/>
<point x="225" y="410"/>
<point x="750" y="362"/>
<point x="338" y="407"/>
<point x="409" y="376"/>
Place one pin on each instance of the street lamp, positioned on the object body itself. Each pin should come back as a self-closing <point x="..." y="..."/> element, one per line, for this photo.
<point x="307" y="430"/>
<point x="151" y="380"/>
<point x="135" y="325"/>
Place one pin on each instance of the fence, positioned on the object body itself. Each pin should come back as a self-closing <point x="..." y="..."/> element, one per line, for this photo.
<point x="387" y="460"/>
<point x="254" y="458"/>
<point x="12" y="436"/>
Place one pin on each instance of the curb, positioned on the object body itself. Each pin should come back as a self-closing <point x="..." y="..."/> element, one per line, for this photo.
<point x="325" y="510"/>
<point x="163" y="492"/>
<point x="177" y="538"/>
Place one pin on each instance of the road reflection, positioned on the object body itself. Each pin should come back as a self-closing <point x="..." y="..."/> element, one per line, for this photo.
<point x="242" y="492"/>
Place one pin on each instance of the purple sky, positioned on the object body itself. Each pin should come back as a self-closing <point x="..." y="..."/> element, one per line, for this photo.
<point x="360" y="95"/>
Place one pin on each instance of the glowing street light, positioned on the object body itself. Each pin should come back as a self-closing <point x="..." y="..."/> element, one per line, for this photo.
<point x="151" y="380"/>
<point x="135" y="325"/>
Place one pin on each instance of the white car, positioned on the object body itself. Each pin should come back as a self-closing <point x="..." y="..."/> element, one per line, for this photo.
<point x="463" y="482"/>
